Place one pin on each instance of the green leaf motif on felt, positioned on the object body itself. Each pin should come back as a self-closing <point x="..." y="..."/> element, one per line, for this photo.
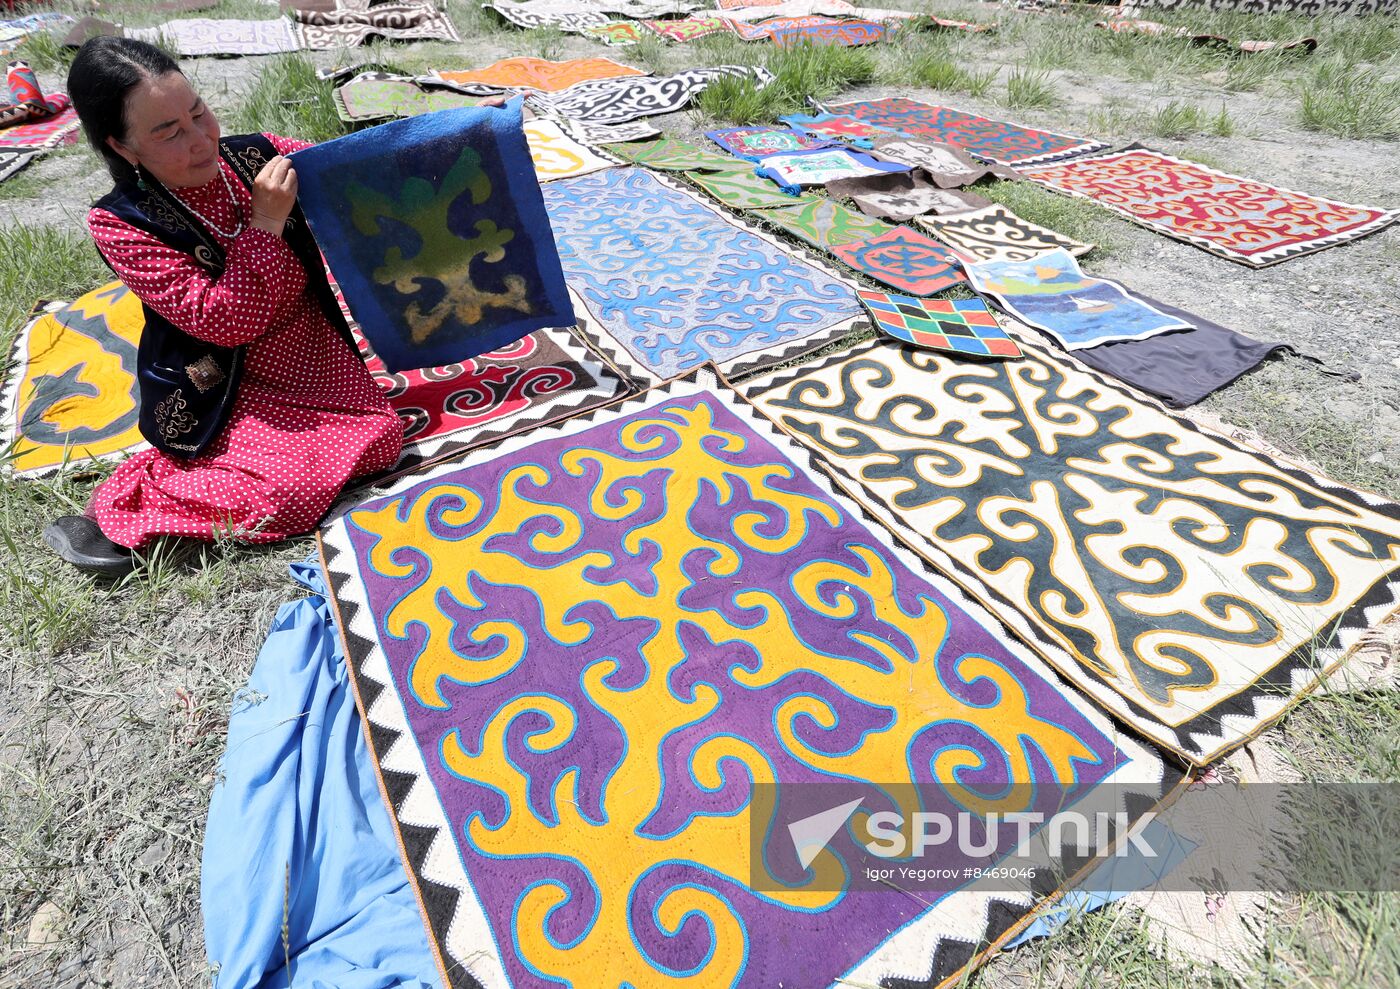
<point x="444" y="257"/>
<point x="824" y="223"/>
<point x="740" y="188"/>
<point x="667" y="154"/>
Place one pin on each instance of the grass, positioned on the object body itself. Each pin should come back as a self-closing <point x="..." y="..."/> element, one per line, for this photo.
<point x="288" y="99"/>
<point x="800" y="72"/>
<point x="1342" y="99"/>
<point x="43" y="262"/>
<point x="1030" y="89"/>
<point x="1176" y="120"/>
<point x="936" y="67"/>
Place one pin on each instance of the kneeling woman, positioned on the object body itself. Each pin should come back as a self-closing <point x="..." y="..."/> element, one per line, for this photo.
<point x="252" y="393"/>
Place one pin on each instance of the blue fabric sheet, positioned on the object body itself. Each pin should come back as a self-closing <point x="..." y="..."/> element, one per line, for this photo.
<point x="298" y="798"/>
<point x="435" y="228"/>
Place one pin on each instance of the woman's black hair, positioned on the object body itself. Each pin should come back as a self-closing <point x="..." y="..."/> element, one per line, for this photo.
<point x="103" y="73"/>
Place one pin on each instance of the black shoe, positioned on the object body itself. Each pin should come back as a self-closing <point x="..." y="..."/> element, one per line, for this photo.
<point x="77" y="539"/>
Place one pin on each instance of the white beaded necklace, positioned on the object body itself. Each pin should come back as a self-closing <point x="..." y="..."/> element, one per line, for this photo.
<point x="237" y="212"/>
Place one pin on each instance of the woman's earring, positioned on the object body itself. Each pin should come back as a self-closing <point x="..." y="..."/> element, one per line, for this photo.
<point x="140" y="178"/>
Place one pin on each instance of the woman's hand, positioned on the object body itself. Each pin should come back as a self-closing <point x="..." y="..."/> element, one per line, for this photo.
<point x="274" y="195"/>
<point x="493" y="101"/>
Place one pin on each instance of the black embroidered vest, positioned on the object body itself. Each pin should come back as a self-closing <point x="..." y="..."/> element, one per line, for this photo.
<point x="187" y="387"/>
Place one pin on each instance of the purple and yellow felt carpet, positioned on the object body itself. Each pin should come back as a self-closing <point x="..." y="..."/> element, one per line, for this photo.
<point x="602" y="664"/>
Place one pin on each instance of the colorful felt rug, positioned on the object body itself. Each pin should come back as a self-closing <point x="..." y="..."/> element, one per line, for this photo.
<point x="15" y="160"/>
<point x="34" y="135"/>
<point x="539" y="73"/>
<point x="436" y="232"/>
<point x="795" y="169"/>
<point x="997" y="234"/>
<point x="740" y="188"/>
<point x="557" y="155"/>
<point x="904" y="259"/>
<point x="70" y="393"/>
<point x="671" y="154"/>
<point x="616" y="33"/>
<point x="823" y="223"/>
<point x="834" y="127"/>
<point x="844" y="34"/>
<point x="387" y="21"/>
<point x="767" y="30"/>
<point x="791" y="8"/>
<point x="72" y="387"/>
<point x="1195" y="587"/>
<point x="689" y="28"/>
<point x="584" y="656"/>
<point x="1050" y="293"/>
<point x="902" y="196"/>
<point x="1183" y="367"/>
<point x="674" y="282"/>
<point x="567" y="15"/>
<point x="204" y="36"/>
<point x="757" y="143"/>
<point x="995" y="140"/>
<point x="382" y="96"/>
<point x="591" y="133"/>
<point x="1239" y="219"/>
<point x="947" y="166"/>
<point x="545" y="376"/>
<point x="614" y="101"/>
<point x="960" y="326"/>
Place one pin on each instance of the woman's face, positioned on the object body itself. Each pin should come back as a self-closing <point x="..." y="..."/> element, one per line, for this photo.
<point x="170" y="133"/>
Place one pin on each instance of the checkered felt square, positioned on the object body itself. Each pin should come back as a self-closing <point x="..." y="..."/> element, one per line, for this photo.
<point x="961" y="326"/>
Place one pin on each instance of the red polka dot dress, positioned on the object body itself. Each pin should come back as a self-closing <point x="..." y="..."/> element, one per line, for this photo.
<point x="308" y="417"/>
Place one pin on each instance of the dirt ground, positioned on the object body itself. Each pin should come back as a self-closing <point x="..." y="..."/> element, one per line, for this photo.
<point x="113" y="709"/>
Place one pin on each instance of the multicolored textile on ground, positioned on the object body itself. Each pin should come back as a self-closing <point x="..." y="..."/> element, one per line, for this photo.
<point x="544" y="376"/>
<point x="904" y="259"/>
<point x="449" y="254"/>
<point x="671" y="154"/>
<point x="567" y="15"/>
<point x="845" y="33"/>
<point x="618" y="33"/>
<point x="1239" y="219"/>
<point x="614" y="101"/>
<point x="1050" y="293"/>
<point x="903" y="196"/>
<point x="962" y="326"/>
<point x="997" y="234"/>
<point x="585" y="655"/>
<point x="833" y="127"/>
<point x="795" y="169"/>
<point x="1194" y="587"/>
<point x="689" y="28"/>
<point x="381" y="96"/>
<point x="591" y="133"/>
<point x="390" y="21"/>
<point x="674" y="282"/>
<point x="203" y="36"/>
<point x="539" y="73"/>
<point x="946" y="165"/>
<point x="756" y="143"/>
<point x="557" y="155"/>
<point x="72" y="387"/>
<point x="823" y="223"/>
<point x="740" y="188"/>
<point x="15" y="160"/>
<point x="995" y="140"/>
<point x="70" y="397"/>
<point x="34" y="135"/>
